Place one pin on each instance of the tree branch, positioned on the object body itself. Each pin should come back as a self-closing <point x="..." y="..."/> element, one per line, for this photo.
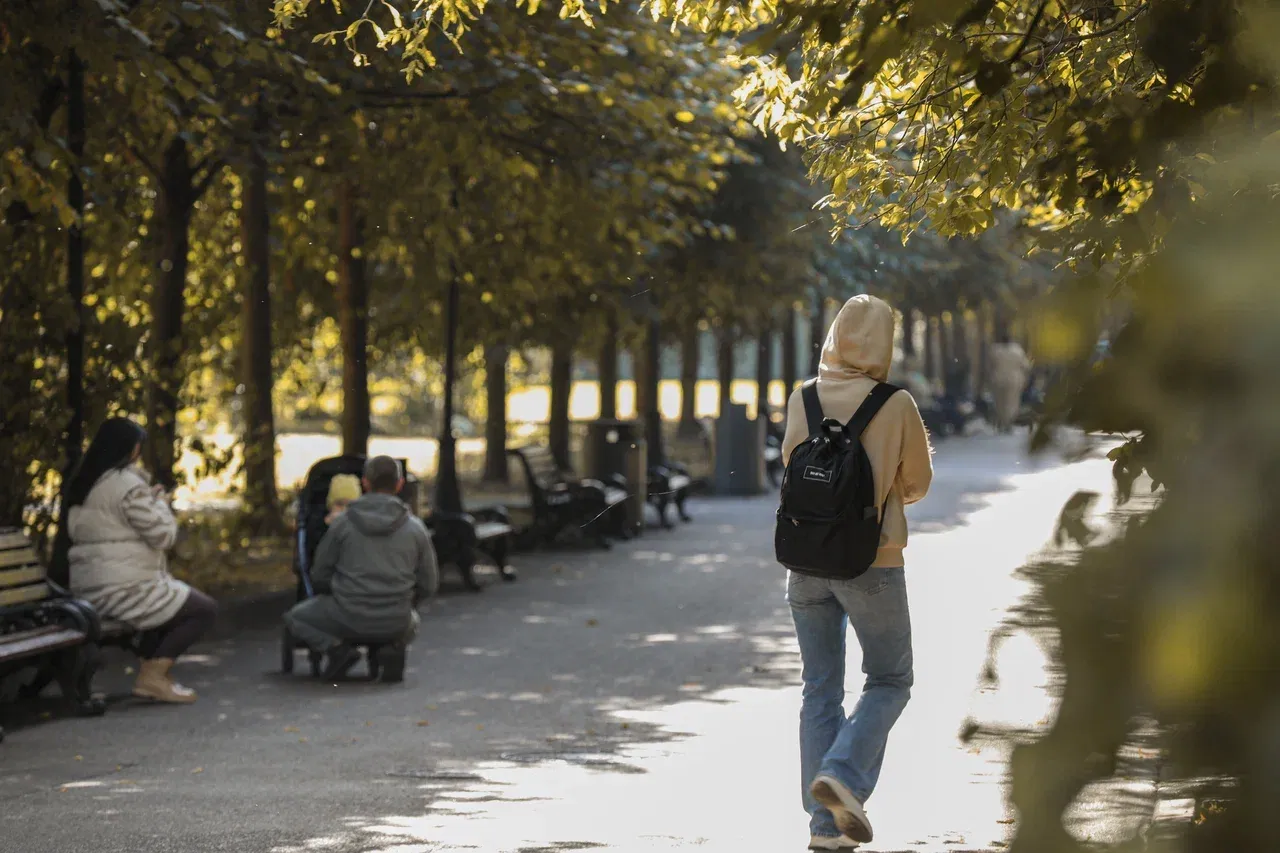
<point x="1035" y="22"/>
<point x="211" y="172"/>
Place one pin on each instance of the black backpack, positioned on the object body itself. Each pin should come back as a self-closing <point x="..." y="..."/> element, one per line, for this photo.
<point x="829" y="519"/>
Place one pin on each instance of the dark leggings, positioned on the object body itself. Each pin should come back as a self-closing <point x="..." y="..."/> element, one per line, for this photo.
<point x="189" y="624"/>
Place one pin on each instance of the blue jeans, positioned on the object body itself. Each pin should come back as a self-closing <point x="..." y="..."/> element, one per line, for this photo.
<point x="850" y="750"/>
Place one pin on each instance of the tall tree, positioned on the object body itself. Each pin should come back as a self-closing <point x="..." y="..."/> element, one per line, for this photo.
<point x="790" y="370"/>
<point x="495" y="423"/>
<point x="690" y="347"/>
<point x="561" y="390"/>
<point x="261" y="501"/>
<point x="353" y="318"/>
<point x="607" y="368"/>
<point x="764" y="369"/>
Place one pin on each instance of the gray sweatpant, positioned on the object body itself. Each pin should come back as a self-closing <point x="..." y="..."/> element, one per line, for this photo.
<point x="320" y="624"/>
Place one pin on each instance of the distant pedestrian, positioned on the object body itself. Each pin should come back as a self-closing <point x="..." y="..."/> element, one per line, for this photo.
<point x="1010" y="369"/>
<point x="840" y="757"/>
<point x="120" y="528"/>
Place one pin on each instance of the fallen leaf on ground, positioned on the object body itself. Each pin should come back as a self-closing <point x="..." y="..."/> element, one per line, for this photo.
<point x="198" y="770"/>
<point x="291" y="728"/>
<point x="302" y="740"/>
<point x="423" y="723"/>
<point x="1007" y="821"/>
<point x="79" y="758"/>
<point x="591" y="623"/>
<point x="479" y="727"/>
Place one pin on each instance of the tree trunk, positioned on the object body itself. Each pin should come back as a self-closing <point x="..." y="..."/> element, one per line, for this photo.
<point x="261" y="501"/>
<point x="764" y="369"/>
<point x="984" y="344"/>
<point x="930" y="350"/>
<point x="817" y="332"/>
<point x="908" y="333"/>
<point x="689" y="351"/>
<point x="724" y="370"/>
<point x="607" y="369"/>
<point x="790" y="370"/>
<point x="652" y="413"/>
<point x="175" y="202"/>
<point x="73" y="439"/>
<point x="495" y="422"/>
<point x="353" y="319"/>
<point x="946" y="343"/>
<point x="561" y="387"/>
<point x="964" y="359"/>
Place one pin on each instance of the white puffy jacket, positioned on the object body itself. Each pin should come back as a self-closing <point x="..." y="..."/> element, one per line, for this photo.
<point x="119" y="537"/>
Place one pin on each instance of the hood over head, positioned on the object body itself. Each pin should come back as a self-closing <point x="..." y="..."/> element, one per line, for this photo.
<point x="860" y="341"/>
<point x="378" y="515"/>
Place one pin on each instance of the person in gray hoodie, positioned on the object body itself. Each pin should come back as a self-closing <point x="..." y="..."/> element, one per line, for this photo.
<point x="371" y="569"/>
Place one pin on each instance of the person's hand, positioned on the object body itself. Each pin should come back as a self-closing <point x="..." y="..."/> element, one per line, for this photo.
<point x="157" y="490"/>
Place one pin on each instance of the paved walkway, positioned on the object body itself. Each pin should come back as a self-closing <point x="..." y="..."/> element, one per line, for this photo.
<point x="643" y="699"/>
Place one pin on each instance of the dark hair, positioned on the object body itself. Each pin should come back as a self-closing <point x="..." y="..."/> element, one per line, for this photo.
<point x="383" y="474"/>
<point x="111" y="449"/>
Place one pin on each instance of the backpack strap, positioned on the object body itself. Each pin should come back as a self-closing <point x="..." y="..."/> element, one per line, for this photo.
<point x="870" y="407"/>
<point x="812" y="405"/>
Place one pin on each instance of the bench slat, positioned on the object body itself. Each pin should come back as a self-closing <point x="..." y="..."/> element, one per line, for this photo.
<point x="10" y="538"/>
<point x="37" y="641"/>
<point x="23" y="594"/>
<point x="492" y="530"/>
<point x="20" y="577"/>
<point x="18" y="557"/>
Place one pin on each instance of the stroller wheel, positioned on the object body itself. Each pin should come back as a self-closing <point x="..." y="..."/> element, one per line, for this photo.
<point x="467" y="567"/>
<point x="317" y="661"/>
<point x="373" y="660"/>
<point x="286" y="652"/>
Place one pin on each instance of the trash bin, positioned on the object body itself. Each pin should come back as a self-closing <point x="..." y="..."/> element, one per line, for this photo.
<point x="618" y="447"/>
<point x="739" y="453"/>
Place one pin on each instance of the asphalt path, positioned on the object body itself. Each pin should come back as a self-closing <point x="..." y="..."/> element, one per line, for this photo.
<point x="639" y="699"/>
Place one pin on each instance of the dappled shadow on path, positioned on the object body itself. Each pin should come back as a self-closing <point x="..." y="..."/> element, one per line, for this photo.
<point x="607" y="699"/>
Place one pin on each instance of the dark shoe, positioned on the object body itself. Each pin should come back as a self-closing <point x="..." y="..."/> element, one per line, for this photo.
<point x="339" y="660"/>
<point x="391" y="663"/>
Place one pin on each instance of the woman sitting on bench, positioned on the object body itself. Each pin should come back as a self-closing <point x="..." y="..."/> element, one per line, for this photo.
<point x="120" y="527"/>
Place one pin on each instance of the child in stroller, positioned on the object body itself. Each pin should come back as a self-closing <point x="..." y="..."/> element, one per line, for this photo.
<point x="331" y="485"/>
<point x="343" y="489"/>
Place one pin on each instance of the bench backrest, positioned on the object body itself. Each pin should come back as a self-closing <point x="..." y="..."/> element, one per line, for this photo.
<point x="22" y="578"/>
<point x="540" y="467"/>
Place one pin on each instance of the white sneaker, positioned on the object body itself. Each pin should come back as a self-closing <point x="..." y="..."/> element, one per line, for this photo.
<point x="850" y="817"/>
<point x="826" y="842"/>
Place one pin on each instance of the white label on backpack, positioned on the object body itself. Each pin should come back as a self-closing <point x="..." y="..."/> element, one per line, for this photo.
<point x="821" y="475"/>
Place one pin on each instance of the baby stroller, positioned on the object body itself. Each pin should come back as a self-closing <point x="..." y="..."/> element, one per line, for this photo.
<point x="381" y="653"/>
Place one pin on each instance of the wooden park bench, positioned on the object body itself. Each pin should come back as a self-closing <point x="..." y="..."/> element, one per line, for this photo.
<point x="562" y="502"/>
<point x="42" y="627"/>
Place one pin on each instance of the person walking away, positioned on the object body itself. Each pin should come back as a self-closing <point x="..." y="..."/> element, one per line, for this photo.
<point x="119" y="528"/>
<point x="371" y="568"/>
<point x="1010" y="368"/>
<point x="840" y="757"/>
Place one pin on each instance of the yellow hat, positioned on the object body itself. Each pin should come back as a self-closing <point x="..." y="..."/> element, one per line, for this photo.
<point x="343" y="487"/>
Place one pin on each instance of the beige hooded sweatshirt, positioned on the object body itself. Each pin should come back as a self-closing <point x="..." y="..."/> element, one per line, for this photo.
<point x="857" y="355"/>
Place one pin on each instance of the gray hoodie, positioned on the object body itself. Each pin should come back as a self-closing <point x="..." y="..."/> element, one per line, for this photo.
<point x="375" y="561"/>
